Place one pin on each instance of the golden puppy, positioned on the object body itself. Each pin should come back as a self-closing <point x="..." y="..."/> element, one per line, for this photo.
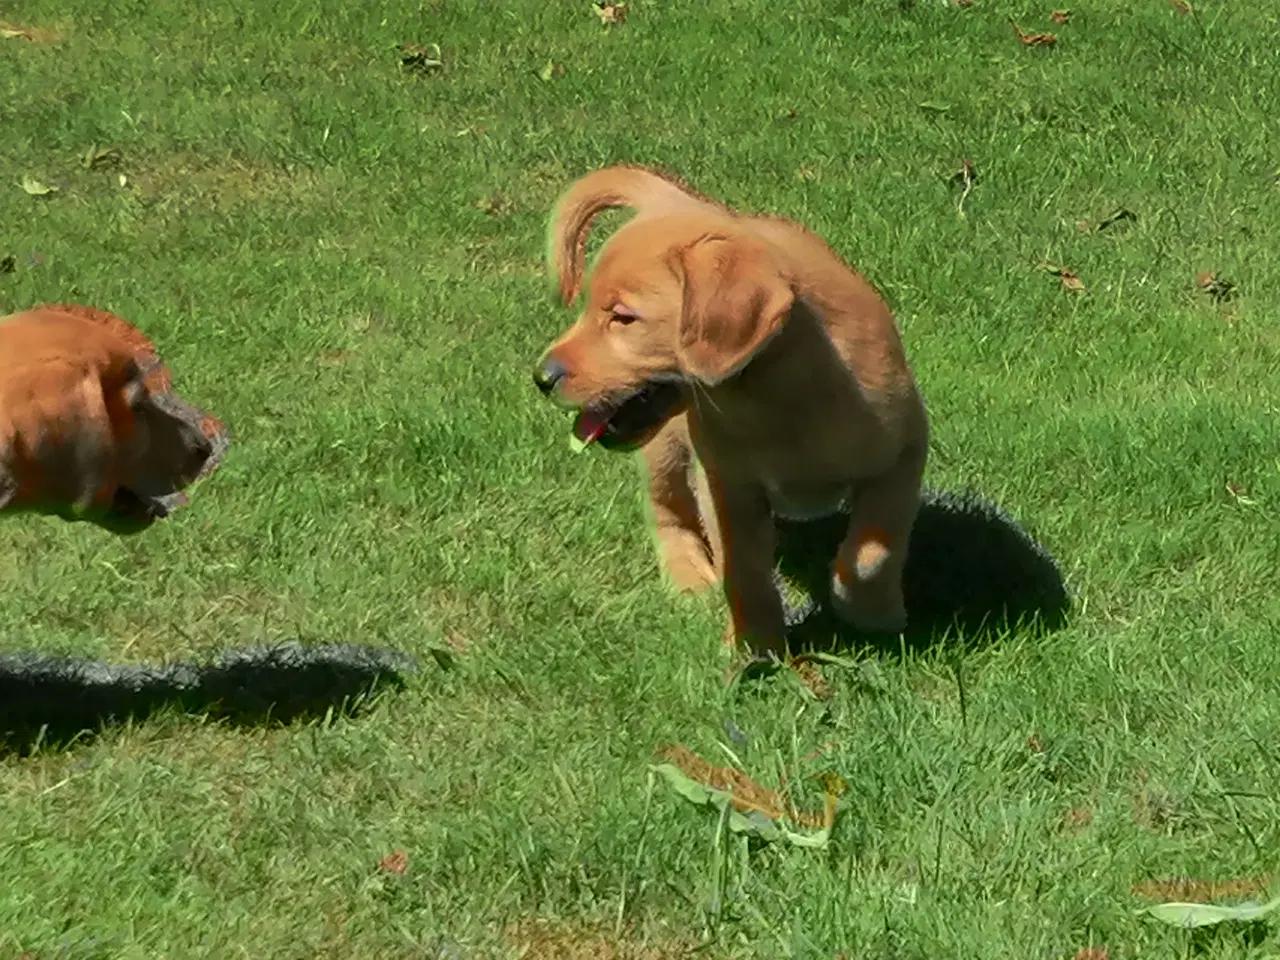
<point x="88" y="426"/>
<point x="747" y="341"/>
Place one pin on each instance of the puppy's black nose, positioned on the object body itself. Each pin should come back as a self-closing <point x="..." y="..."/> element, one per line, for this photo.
<point x="549" y="373"/>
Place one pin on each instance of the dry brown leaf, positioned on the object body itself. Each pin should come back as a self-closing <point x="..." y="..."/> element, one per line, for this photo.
<point x="1219" y="288"/>
<point x="396" y="863"/>
<point x="1239" y="493"/>
<point x="494" y="205"/>
<point x="1035" y="744"/>
<point x="1092" y="953"/>
<point x="1076" y="819"/>
<point x="812" y="678"/>
<point x="1060" y="16"/>
<point x="1184" y="890"/>
<point x="1181" y="6"/>
<point x="611" y="14"/>
<point x="1034" y="39"/>
<point x="1071" y="281"/>
<point x="11" y="31"/>
<point x="746" y="795"/>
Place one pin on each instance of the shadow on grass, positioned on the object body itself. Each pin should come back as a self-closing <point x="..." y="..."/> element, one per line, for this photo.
<point x="972" y="572"/>
<point x="51" y="701"/>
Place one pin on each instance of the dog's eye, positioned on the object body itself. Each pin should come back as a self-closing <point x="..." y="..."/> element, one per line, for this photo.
<point x="622" y="316"/>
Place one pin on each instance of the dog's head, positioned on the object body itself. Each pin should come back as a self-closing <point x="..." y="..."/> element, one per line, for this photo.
<point x="90" y="429"/>
<point x="676" y="300"/>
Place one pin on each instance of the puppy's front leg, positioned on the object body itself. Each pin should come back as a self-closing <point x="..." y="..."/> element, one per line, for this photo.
<point x="748" y="542"/>
<point x="866" y="584"/>
<point x="677" y="525"/>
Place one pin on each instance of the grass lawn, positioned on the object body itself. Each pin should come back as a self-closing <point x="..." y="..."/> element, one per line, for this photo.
<point x="340" y="257"/>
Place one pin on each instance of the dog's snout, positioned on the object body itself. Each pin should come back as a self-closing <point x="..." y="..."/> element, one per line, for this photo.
<point x="201" y="451"/>
<point x="548" y="374"/>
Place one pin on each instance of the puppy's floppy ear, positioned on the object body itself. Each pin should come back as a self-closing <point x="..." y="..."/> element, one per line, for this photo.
<point x="736" y="298"/>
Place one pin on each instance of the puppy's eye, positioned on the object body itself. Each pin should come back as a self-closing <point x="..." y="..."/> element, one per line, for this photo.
<point x="622" y="315"/>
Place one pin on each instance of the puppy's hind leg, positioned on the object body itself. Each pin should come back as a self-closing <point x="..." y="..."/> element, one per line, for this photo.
<point x="683" y="547"/>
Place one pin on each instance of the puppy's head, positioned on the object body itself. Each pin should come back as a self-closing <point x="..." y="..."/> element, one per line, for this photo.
<point x="676" y="301"/>
<point x="90" y="429"/>
<point x="163" y="448"/>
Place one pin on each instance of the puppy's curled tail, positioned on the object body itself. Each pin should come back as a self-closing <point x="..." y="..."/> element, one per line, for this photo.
<point x="621" y="185"/>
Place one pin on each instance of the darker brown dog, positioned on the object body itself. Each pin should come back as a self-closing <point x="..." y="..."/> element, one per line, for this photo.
<point x="745" y="346"/>
<point x="89" y="427"/>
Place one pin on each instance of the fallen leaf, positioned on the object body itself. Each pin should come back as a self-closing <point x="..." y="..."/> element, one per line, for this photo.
<point x="1035" y="744"/>
<point x="806" y="174"/>
<point x="1076" y="819"/>
<point x="1060" y="16"/>
<point x="95" y="158"/>
<point x="11" y="31"/>
<point x="1034" y="39"/>
<point x="551" y="71"/>
<point x="813" y="679"/>
<point x="964" y="3"/>
<point x="611" y="13"/>
<point x="1190" y="915"/>
<point x="1187" y="890"/>
<point x="754" y="809"/>
<point x="414" y="56"/>
<point x="1070" y="279"/>
<point x="494" y="205"/>
<point x="396" y="863"/>
<point x="1239" y="493"/>
<point x="1092" y="953"/>
<point x="8" y="263"/>
<point x="1219" y="288"/>
<point x="37" y="189"/>
<point x="1181" y="6"/>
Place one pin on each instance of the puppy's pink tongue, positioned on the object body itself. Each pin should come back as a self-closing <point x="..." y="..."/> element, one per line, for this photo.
<point x="589" y="425"/>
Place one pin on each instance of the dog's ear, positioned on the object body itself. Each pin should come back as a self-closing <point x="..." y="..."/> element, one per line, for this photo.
<point x="601" y="190"/>
<point x="735" y="299"/>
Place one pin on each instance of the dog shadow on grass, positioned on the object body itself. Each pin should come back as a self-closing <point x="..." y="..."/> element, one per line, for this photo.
<point x="50" y="702"/>
<point x="972" y="574"/>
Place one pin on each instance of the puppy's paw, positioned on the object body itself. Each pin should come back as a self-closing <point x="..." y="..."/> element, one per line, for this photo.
<point x="686" y="561"/>
<point x="873" y="606"/>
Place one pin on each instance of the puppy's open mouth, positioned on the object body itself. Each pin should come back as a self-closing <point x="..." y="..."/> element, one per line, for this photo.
<point x="130" y="506"/>
<point x="628" y="422"/>
<point x="132" y="511"/>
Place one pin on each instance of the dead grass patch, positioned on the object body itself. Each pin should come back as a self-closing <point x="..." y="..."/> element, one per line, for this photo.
<point x="539" y="939"/>
<point x="218" y="183"/>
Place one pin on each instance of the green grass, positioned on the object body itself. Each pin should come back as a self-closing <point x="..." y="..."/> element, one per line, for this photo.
<point x="342" y="259"/>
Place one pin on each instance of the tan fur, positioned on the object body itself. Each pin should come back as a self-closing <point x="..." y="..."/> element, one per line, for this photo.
<point x="798" y="392"/>
<point x="78" y="418"/>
